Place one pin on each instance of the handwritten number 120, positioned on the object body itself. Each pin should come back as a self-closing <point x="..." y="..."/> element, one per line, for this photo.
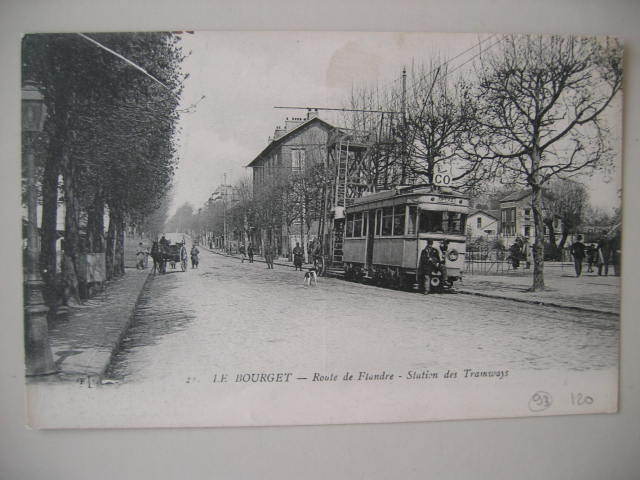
<point x="580" y="399"/>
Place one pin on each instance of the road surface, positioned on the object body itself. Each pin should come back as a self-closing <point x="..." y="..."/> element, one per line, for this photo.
<point x="229" y="316"/>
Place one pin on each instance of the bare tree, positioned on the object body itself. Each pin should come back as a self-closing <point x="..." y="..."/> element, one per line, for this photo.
<point x="541" y="116"/>
<point x="442" y="109"/>
<point x="567" y="201"/>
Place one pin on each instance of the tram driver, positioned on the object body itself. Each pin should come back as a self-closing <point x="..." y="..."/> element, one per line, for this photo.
<point x="429" y="265"/>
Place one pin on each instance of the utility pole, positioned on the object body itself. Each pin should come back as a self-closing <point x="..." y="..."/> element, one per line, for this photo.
<point x="224" y="192"/>
<point x="224" y="213"/>
<point x="404" y="159"/>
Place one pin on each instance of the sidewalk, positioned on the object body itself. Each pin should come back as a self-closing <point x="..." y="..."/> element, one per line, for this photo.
<point x="84" y="339"/>
<point x="589" y="292"/>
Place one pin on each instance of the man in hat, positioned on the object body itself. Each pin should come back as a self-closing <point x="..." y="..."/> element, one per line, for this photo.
<point x="428" y="265"/>
<point x="578" y="251"/>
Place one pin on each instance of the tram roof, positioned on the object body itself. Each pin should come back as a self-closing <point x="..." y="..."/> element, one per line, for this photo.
<point x="432" y="198"/>
<point x="409" y="191"/>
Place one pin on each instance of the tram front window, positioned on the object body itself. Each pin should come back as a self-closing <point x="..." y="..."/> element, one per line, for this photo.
<point x="442" y="222"/>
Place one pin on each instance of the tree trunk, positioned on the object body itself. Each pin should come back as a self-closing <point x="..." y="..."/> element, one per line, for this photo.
<point x="119" y="250"/>
<point x="110" y="246"/>
<point x="552" y="237"/>
<point x="563" y="239"/>
<point x="538" y="220"/>
<point x="95" y="226"/>
<point x="71" y="238"/>
<point x="48" y="260"/>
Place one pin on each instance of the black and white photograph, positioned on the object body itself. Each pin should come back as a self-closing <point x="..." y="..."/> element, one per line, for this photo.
<point x="252" y="228"/>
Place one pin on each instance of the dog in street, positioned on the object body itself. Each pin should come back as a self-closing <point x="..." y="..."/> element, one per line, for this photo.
<point x="311" y="276"/>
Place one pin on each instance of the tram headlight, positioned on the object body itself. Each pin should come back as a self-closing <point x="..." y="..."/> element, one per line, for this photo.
<point x="453" y="255"/>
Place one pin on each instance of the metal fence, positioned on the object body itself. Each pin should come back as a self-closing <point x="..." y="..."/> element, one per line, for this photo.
<point x="487" y="261"/>
<point x="497" y="261"/>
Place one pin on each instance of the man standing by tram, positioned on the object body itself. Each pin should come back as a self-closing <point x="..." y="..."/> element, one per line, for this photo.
<point x="429" y="264"/>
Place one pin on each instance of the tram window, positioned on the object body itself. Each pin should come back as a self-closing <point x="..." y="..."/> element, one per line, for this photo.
<point x="453" y="224"/>
<point x="456" y="222"/>
<point x="357" y="224"/>
<point x="348" y="231"/>
<point x="378" y="222"/>
<point x="442" y="222"/>
<point x="398" y="219"/>
<point x="411" y="225"/>
<point x="387" y="221"/>
<point x="365" y="223"/>
<point x="430" y="221"/>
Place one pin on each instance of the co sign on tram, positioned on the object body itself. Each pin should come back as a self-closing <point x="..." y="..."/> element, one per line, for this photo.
<point x="442" y="176"/>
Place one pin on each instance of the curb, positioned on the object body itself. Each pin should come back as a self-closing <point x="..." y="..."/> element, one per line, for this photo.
<point x="124" y="330"/>
<point x="538" y="302"/>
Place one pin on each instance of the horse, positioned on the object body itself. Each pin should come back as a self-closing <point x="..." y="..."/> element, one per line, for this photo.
<point x="159" y="262"/>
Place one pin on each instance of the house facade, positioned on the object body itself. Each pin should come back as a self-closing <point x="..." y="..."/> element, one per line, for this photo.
<point x="483" y="223"/>
<point x="516" y="217"/>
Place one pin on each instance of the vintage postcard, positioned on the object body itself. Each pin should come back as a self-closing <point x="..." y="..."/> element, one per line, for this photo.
<point x="282" y="228"/>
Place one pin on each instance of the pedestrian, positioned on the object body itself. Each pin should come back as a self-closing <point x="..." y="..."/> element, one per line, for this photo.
<point x="194" y="257"/>
<point x="444" y="248"/>
<point x="268" y="255"/>
<point x="250" y="253"/>
<point x="602" y="259"/>
<point x="298" y="254"/>
<point x="428" y="265"/>
<point x="578" y="250"/>
<point x="592" y="256"/>
<point x="141" y="256"/>
<point x="317" y="256"/>
<point x="515" y="250"/>
<point x="526" y="252"/>
<point x="615" y="248"/>
<point x="243" y="252"/>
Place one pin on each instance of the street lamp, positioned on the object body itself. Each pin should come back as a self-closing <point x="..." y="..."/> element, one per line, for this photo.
<point x="38" y="356"/>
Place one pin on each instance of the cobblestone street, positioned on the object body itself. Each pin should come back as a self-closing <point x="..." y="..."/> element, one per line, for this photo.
<point x="229" y="316"/>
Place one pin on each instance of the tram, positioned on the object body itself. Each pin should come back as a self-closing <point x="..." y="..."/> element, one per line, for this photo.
<point x="386" y="231"/>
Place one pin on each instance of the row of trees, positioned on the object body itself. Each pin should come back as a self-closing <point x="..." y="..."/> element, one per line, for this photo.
<point x="108" y="144"/>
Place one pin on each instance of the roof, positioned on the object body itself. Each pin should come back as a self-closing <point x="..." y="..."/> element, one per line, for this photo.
<point x="286" y="136"/>
<point x="515" y="196"/>
<point x="489" y="213"/>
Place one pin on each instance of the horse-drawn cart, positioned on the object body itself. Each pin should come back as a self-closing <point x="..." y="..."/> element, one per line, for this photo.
<point x="173" y="254"/>
<point x="177" y="254"/>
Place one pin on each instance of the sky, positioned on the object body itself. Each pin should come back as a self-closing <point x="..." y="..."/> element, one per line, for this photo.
<point x="243" y="75"/>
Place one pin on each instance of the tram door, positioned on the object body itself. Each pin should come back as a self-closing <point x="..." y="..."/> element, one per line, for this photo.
<point x="371" y="225"/>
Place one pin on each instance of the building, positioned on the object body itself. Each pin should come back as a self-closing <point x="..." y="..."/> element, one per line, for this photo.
<point x="483" y="223"/>
<point x="293" y="149"/>
<point x="516" y="217"/>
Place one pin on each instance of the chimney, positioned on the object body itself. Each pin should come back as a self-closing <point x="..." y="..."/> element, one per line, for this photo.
<point x="312" y="113"/>
<point x="279" y="132"/>
<point x="293" y="122"/>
